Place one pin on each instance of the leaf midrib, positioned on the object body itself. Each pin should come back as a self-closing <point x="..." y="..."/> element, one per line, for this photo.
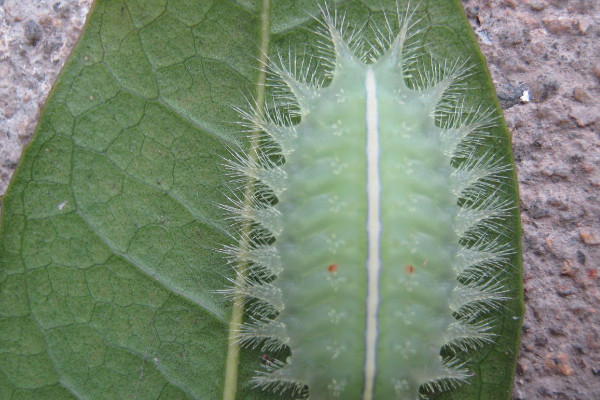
<point x="237" y="314"/>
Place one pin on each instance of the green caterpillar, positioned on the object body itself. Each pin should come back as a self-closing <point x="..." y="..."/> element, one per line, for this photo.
<point x="372" y="245"/>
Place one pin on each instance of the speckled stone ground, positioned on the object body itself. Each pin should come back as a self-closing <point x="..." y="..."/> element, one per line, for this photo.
<point x="36" y="36"/>
<point x="548" y="48"/>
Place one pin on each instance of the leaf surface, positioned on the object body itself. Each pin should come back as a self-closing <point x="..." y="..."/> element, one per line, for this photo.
<point x="108" y="268"/>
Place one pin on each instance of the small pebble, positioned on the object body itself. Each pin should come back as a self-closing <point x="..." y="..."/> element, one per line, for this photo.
<point x="580" y="257"/>
<point x="544" y="87"/>
<point x="541" y="341"/>
<point x="562" y="291"/>
<point x="559" y="25"/>
<point x="523" y="366"/>
<point x="584" y="24"/>
<point x="537" y="5"/>
<point x="556" y="331"/>
<point x="509" y="95"/>
<point x="581" y="95"/>
<point x="33" y="32"/>
<point x="583" y="116"/>
<point x="593" y="341"/>
<point x="596" y="71"/>
<point x="558" y="363"/>
<point x="567" y="270"/>
<point x="589" y="236"/>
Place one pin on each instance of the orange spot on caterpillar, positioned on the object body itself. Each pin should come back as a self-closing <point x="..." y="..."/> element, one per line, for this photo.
<point x="409" y="269"/>
<point x="332" y="268"/>
<point x="592" y="273"/>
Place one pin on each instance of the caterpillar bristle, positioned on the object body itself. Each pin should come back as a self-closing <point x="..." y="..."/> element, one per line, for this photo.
<point x="269" y="334"/>
<point x="346" y="41"/>
<point x="452" y="374"/>
<point x="482" y="214"/>
<point x="478" y="174"/>
<point x="262" y="169"/>
<point x="261" y="298"/>
<point x="274" y="381"/>
<point x="255" y="212"/>
<point x="264" y="258"/>
<point x="465" y="130"/>
<point x="478" y="297"/>
<point x="482" y="259"/>
<point x="467" y="334"/>
<point x="303" y="93"/>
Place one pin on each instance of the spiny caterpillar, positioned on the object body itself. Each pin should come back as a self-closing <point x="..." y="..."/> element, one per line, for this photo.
<point x="370" y="234"/>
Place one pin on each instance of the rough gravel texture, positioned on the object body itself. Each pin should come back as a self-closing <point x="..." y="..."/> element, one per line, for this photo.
<point x="36" y="36"/>
<point x="544" y="58"/>
<point x="550" y="48"/>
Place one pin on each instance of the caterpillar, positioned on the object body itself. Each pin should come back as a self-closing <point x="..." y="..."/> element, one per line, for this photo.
<point x="370" y="219"/>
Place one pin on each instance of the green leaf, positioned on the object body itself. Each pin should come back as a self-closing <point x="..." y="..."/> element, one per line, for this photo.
<point x="108" y="268"/>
